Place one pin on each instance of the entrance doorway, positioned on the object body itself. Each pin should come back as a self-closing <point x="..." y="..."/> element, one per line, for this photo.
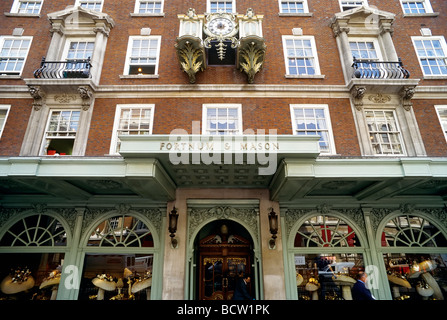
<point x="224" y="254"/>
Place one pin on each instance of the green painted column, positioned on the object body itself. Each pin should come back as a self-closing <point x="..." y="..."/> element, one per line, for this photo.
<point x="72" y="268"/>
<point x="374" y="258"/>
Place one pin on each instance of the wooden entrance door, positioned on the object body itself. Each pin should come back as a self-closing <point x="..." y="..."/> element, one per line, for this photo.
<point x="222" y="261"/>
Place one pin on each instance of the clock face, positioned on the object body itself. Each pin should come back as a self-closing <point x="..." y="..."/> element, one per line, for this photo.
<point x="220" y="26"/>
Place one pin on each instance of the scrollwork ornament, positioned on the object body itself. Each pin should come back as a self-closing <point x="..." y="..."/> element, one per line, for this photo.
<point x="154" y="215"/>
<point x="440" y="214"/>
<point x="377" y="216"/>
<point x="198" y="216"/>
<point x="379" y="98"/>
<point x="293" y="215"/>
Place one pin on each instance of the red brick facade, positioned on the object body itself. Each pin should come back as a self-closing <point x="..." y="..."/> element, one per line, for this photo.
<point x="258" y="112"/>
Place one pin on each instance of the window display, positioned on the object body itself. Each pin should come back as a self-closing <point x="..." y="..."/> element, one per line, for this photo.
<point x="116" y="277"/>
<point x="417" y="276"/>
<point x="327" y="276"/>
<point x="30" y="276"/>
<point x="413" y="275"/>
<point x="121" y="231"/>
<point x="326" y="231"/>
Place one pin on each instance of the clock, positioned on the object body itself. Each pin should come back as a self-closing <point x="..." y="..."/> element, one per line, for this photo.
<point x="220" y="25"/>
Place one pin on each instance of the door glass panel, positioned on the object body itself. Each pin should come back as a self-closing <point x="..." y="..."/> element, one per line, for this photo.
<point x="236" y="267"/>
<point x="213" y="275"/>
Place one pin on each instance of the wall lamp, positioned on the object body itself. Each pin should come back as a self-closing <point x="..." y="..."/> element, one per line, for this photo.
<point x="273" y="223"/>
<point x="173" y="218"/>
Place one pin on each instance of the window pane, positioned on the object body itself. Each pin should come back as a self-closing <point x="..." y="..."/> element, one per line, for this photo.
<point x="383" y="129"/>
<point x="312" y="121"/>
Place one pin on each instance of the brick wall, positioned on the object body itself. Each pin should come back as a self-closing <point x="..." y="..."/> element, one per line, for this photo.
<point x="258" y="113"/>
<point x="14" y="131"/>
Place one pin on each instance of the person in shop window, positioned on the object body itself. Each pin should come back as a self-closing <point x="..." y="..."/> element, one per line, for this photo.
<point x="241" y="289"/>
<point x="359" y="290"/>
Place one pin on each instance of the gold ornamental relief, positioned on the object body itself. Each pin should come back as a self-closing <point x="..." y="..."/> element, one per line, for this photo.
<point x="211" y="260"/>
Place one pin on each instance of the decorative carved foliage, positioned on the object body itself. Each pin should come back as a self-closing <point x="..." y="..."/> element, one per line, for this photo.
<point x="251" y="57"/>
<point x="191" y="58"/>
<point x="198" y="215"/>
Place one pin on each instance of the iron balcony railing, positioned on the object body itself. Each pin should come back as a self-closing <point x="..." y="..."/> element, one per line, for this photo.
<point x="72" y="68"/>
<point x="372" y="69"/>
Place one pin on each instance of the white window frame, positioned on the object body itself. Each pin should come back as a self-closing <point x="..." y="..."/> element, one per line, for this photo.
<point x="426" y="3"/>
<point x="137" y="8"/>
<point x="129" y="52"/>
<point x="208" y="5"/>
<point x="305" y="7"/>
<point x="444" y="48"/>
<point x="205" y="129"/>
<point x="6" y="107"/>
<point x="444" y="129"/>
<point x="327" y="118"/>
<point x="78" y="40"/>
<point x="375" y="41"/>
<point x="16" y="6"/>
<point x="2" y="42"/>
<point x="352" y="2"/>
<point x="317" y="73"/>
<point x="119" y="108"/>
<point x="78" y="4"/>
<point x="398" y="129"/>
<point x="43" y="148"/>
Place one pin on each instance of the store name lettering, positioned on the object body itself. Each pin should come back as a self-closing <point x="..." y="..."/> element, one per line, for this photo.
<point x="211" y="146"/>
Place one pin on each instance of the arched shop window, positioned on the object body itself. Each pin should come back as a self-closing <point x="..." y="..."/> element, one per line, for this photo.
<point x="119" y="260"/>
<point x="31" y="256"/>
<point x="415" y="255"/>
<point x="328" y="255"/>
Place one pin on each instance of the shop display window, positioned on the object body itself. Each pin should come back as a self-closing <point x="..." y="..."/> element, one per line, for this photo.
<point x="327" y="276"/>
<point x="326" y="231"/>
<point x="121" y="231"/>
<point x="35" y="231"/>
<point x="116" y="277"/>
<point x="30" y="276"/>
<point x="412" y="274"/>
<point x="417" y="276"/>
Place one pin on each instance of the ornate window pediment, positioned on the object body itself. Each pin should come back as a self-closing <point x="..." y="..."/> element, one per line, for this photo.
<point x="220" y="38"/>
<point x="357" y="32"/>
<point x="79" y="19"/>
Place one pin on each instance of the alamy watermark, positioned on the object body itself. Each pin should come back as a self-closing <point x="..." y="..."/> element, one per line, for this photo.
<point x="256" y="148"/>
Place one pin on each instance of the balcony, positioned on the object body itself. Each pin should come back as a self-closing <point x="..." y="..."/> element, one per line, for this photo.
<point x="69" y="69"/>
<point x="380" y="77"/>
<point x="373" y="69"/>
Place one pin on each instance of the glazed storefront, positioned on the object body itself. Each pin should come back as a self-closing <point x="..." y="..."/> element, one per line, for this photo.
<point x="86" y="254"/>
<point x="403" y="251"/>
<point x="116" y="254"/>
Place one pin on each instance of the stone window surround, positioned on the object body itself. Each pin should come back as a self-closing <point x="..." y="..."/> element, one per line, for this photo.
<point x="413" y="144"/>
<point x="377" y="25"/>
<point x="50" y="94"/>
